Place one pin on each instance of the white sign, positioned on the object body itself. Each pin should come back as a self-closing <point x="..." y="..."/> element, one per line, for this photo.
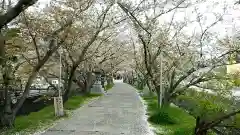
<point x="54" y="81"/>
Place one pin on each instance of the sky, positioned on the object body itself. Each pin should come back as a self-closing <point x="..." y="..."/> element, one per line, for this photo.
<point x="229" y="25"/>
<point x="231" y="18"/>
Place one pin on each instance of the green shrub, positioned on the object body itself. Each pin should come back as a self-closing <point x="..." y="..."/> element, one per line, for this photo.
<point x="183" y="131"/>
<point x="35" y="120"/>
<point x="237" y="120"/>
<point x="31" y="122"/>
<point x="108" y="86"/>
<point x="237" y="82"/>
<point x="74" y="102"/>
<point x="163" y="116"/>
<point x="207" y="106"/>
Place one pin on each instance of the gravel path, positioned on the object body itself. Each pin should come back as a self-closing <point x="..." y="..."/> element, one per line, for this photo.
<point x="120" y="112"/>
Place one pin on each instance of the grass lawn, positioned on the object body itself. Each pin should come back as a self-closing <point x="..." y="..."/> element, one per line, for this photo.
<point x="109" y="86"/>
<point x="25" y="125"/>
<point x="76" y="101"/>
<point x="169" y="120"/>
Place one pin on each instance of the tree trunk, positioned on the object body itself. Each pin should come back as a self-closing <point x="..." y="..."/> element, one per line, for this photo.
<point x="157" y="89"/>
<point x="166" y="99"/>
<point x="149" y="86"/>
<point x="88" y="82"/>
<point x="199" y="129"/>
<point x="2" y="49"/>
<point x="69" y="84"/>
<point x="26" y="91"/>
<point x="141" y="84"/>
<point x="158" y="98"/>
<point x="200" y="132"/>
<point x="7" y="117"/>
<point x="66" y="79"/>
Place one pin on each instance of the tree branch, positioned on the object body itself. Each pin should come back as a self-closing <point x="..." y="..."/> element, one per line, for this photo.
<point x="32" y="36"/>
<point x="15" y="11"/>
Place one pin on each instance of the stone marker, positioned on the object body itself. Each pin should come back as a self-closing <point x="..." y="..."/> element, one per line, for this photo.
<point x="97" y="86"/>
<point x="58" y="105"/>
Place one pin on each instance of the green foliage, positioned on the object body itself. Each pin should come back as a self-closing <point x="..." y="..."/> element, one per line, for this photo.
<point x="35" y="118"/>
<point x="176" y="121"/>
<point x="183" y="131"/>
<point x="44" y="117"/>
<point x="163" y="116"/>
<point x="76" y="101"/>
<point x="231" y="58"/>
<point x="208" y="110"/>
<point x="207" y="106"/>
<point x="237" y="82"/>
<point x="237" y="121"/>
<point x="12" y="32"/>
<point x="31" y="122"/>
<point x="220" y="85"/>
<point x="92" y="95"/>
<point x="220" y="71"/>
<point x="235" y="78"/>
<point x="140" y="84"/>
<point x="172" y="120"/>
<point x="108" y="86"/>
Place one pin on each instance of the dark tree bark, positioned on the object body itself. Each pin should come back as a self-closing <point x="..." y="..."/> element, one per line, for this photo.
<point x="11" y="116"/>
<point x="200" y="127"/>
<point x="15" y="11"/>
<point x="2" y="49"/>
<point x="89" y="82"/>
<point x="158" y="96"/>
<point x="7" y="117"/>
<point x="166" y="98"/>
<point x="82" y="55"/>
<point x="69" y="83"/>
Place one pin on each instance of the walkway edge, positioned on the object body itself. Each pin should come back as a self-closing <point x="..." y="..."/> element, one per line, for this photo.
<point x="44" y="129"/>
<point x="151" y="127"/>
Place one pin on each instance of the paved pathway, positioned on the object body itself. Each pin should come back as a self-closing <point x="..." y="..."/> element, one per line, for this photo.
<point x="120" y="112"/>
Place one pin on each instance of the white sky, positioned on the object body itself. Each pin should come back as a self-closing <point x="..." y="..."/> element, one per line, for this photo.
<point x="229" y="26"/>
<point x="231" y="19"/>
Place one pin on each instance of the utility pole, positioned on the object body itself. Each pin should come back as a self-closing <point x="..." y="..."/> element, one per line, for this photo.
<point x="161" y="89"/>
<point x="58" y="101"/>
<point x="60" y="73"/>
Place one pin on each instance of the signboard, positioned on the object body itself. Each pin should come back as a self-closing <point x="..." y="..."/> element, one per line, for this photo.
<point x="55" y="82"/>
